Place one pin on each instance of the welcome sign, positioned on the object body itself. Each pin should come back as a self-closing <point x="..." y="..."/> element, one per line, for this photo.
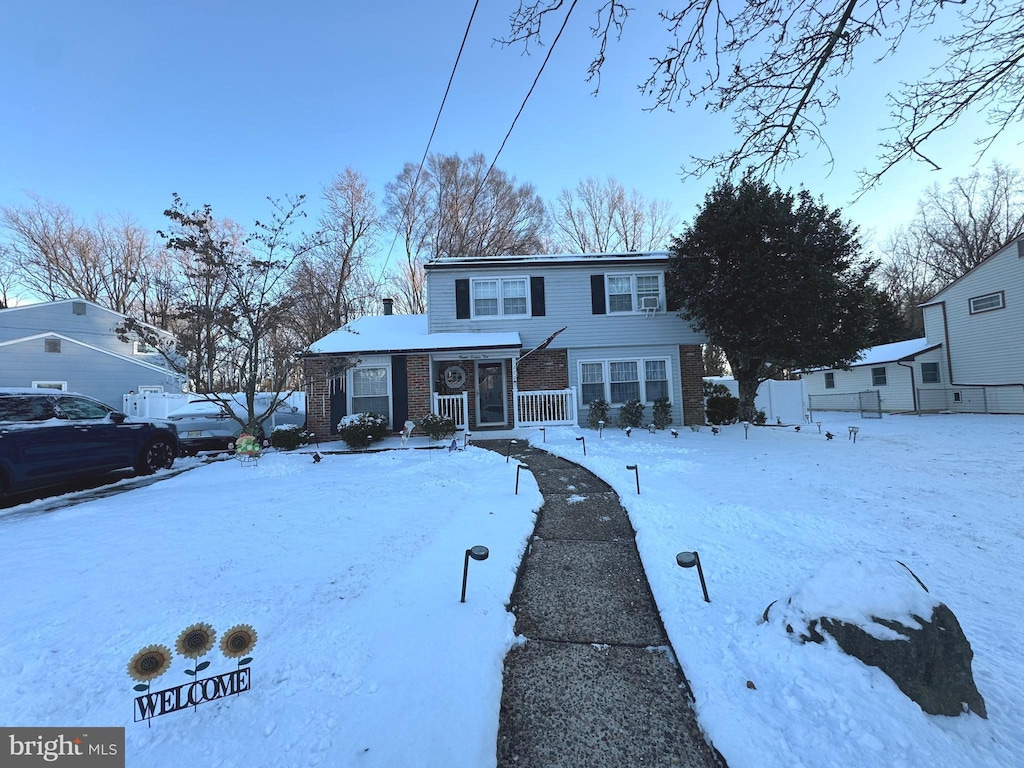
<point x="191" y="694"/>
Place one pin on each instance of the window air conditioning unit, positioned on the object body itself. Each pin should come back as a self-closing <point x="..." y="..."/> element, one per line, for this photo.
<point x="649" y="302"/>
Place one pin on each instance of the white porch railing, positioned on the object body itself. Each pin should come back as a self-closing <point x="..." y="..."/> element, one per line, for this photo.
<point x="547" y="407"/>
<point x="454" y="407"/>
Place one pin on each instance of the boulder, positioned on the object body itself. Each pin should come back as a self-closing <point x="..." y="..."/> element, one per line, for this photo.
<point x="884" y="616"/>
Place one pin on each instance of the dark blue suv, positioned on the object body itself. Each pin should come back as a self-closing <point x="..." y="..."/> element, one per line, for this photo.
<point x="49" y="437"/>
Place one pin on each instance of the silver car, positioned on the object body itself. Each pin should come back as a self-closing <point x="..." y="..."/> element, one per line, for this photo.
<point x="205" y="423"/>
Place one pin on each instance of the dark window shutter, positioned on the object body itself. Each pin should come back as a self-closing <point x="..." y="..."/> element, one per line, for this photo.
<point x="597" y="294"/>
<point x="462" y="299"/>
<point x="537" y="296"/>
<point x="399" y="391"/>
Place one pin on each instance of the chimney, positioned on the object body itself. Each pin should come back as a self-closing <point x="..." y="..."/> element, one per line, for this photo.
<point x="389" y="306"/>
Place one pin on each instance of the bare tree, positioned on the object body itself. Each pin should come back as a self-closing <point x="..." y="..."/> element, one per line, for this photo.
<point x="776" y="67"/>
<point x="59" y="257"/>
<point x="330" y="284"/>
<point x="959" y="226"/>
<point x="406" y="211"/>
<point x="603" y="217"/>
<point x="906" y="278"/>
<point x="8" y="270"/>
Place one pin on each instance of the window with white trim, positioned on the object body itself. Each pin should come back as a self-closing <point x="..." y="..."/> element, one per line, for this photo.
<point x="592" y="382"/>
<point x="370" y="391"/>
<point x="620" y="380"/>
<point x="655" y="379"/>
<point x="987" y="303"/>
<point x="634" y="292"/>
<point x="625" y="383"/>
<point x="58" y="385"/>
<point x="878" y="378"/>
<point x="830" y="380"/>
<point x="930" y="373"/>
<point x="500" y="297"/>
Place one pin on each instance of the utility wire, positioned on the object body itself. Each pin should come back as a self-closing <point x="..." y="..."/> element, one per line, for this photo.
<point x="433" y="130"/>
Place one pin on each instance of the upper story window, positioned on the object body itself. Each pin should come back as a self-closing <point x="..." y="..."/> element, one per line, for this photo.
<point x="634" y="292"/>
<point x="500" y="297"/>
<point x="987" y="303"/>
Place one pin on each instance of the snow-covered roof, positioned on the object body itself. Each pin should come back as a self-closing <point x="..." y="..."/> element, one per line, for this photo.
<point x="898" y="350"/>
<point x="454" y="262"/>
<point x="405" y="333"/>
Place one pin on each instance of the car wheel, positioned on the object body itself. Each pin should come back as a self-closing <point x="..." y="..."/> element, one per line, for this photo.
<point x="156" y="454"/>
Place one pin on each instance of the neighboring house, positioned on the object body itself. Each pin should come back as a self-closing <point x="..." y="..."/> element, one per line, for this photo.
<point x="979" y="320"/>
<point x="71" y="345"/>
<point x="515" y="341"/>
<point x="972" y="356"/>
<point x="896" y="371"/>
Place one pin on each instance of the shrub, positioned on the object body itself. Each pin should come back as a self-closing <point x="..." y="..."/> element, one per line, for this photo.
<point x="722" y="409"/>
<point x="631" y="414"/>
<point x="715" y="390"/>
<point x="288" y="437"/>
<point x="359" y="429"/>
<point x="760" y="418"/>
<point x="598" y="412"/>
<point x="437" y="427"/>
<point x="662" y="412"/>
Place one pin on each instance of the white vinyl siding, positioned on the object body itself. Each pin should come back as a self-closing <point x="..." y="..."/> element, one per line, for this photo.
<point x="500" y="297"/>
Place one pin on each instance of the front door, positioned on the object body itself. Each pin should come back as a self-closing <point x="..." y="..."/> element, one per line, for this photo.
<point x="490" y="394"/>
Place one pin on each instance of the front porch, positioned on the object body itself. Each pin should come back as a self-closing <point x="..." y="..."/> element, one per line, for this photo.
<point x="540" y="408"/>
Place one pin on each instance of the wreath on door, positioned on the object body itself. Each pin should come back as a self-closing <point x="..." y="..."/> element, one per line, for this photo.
<point x="454" y="377"/>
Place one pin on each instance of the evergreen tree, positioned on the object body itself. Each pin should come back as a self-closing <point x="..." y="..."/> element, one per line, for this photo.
<point x="775" y="280"/>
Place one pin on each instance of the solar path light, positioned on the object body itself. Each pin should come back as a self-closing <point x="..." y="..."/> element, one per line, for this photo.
<point x="688" y="560"/>
<point x="636" y="471"/>
<point x="544" y="434"/>
<point x="600" y="428"/>
<point x="519" y="467"/>
<point x="477" y="553"/>
<point x="584" y="441"/>
<point x="746" y="429"/>
<point x="853" y="433"/>
<point x="508" y="451"/>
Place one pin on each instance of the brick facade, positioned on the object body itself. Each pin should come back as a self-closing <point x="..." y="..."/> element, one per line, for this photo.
<point x="691" y="376"/>
<point x="316" y="381"/>
<point x="417" y="372"/>
<point x="546" y="369"/>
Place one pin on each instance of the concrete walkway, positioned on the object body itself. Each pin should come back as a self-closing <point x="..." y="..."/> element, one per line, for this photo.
<point x="596" y="683"/>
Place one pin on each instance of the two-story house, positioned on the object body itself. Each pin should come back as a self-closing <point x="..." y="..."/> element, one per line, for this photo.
<point x="72" y="345"/>
<point x="515" y="341"/>
<point x="971" y="358"/>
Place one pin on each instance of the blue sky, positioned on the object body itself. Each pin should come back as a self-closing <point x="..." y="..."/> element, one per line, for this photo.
<point x="113" y="106"/>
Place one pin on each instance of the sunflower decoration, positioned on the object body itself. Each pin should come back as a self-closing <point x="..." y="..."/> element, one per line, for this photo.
<point x="238" y="642"/>
<point x="196" y="641"/>
<point x="148" y="664"/>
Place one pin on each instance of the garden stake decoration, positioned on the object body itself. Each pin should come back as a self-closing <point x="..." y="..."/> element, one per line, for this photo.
<point x="796" y="428"/>
<point x="829" y="435"/>
<point x="629" y="431"/>
<point x="688" y="560"/>
<point x="636" y="471"/>
<point x="193" y="642"/>
<point x="675" y="433"/>
<point x="652" y="429"/>
<point x="583" y="440"/>
<point x="247" y="449"/>
<point x="316" y="457"/>
<point x="477" y="553"/>
<point x="715" y="430"/>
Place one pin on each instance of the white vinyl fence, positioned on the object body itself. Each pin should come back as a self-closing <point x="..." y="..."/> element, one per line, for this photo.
<point x="782" y="401"/>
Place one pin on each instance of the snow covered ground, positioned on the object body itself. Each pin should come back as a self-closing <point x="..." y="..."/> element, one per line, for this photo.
<point x="350" y="571"/>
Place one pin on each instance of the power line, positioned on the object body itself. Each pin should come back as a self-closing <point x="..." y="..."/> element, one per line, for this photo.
<point x="433" y="130"/>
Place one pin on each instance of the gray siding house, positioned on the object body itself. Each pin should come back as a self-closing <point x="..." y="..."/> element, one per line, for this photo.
<point x="516" y="341"/>
<point x="71" y="345"/>
<point x="971" y="358"/>
<point x="979" y="320"/>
